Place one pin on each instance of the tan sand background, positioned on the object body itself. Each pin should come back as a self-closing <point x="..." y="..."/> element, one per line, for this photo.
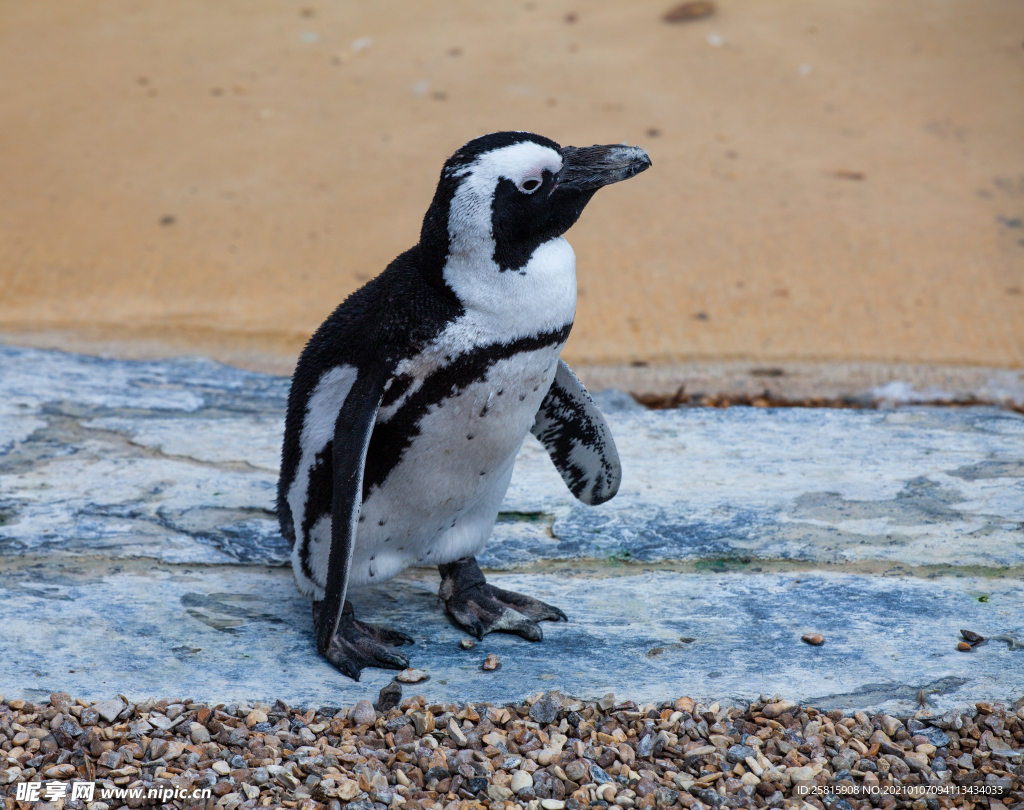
<point x="832" y="181"/>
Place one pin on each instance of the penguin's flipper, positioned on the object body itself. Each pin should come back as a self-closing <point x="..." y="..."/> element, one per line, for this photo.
<point x="349" y="644"/>
<point x="573" y="430"/>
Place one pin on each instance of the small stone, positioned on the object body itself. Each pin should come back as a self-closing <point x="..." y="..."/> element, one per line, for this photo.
<point x="348" y="789"/>
<point x="890" y="725"/>
<point x="816" y="639"/>
<point x="805" y="774"/>
<point x="691" y="10"/>
<point x="520" y="781"/>
<point x="491" y="663"/>
<point x="198" y="733"/>
<point x="546" y="709"/>
<point x="552" y="804"/>
<point x="389" y="697"/>
<point x="221" y="767"/>
<point x="255" y="716"/>
<point x="599" y="775"/>
<point x="918" y="762"/>
<point x="467" y="644"/>
<point x="108" y="709"/>
<point x="997" y="745"/>
<point x="363" y="714"/>
<point x="251" y="791"/>
<point x="411" y="675"/>
<point x="157" y="748"/>
<point x="739" y="753"/>
<point x="963" y="646"/>
<point x="175" y="748"/>
<point x="645" y="746"/>
<point x="684" y="704"/>
<point x="773" y="710"/>
<point x="577" y="770"/>
<point x="971" y="637"/>
<point x="456" y="734"/>
<point x="607" y="702"/>
<point x="286" y="780"/>
<point x="498" y="793"/>
<point x="423" y="722"/>
<point x="110" y="759"/>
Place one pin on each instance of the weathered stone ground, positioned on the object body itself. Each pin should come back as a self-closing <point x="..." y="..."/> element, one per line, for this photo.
<point x="140" y="554"/>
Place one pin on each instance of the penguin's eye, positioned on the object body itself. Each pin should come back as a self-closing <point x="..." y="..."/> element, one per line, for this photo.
<point x="530" y="184"/>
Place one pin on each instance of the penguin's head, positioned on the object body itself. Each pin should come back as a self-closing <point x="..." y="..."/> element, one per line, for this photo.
<point x="502" y="195"/>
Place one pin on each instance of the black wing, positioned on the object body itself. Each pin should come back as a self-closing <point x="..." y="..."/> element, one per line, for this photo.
<point x="351" y="439"/>
<point x="572" y="429"/>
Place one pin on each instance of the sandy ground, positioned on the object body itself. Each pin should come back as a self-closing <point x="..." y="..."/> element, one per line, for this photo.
<point x="835" y="181"/>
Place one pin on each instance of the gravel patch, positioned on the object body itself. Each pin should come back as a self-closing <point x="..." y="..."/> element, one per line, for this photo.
<point x="549" y="753"/>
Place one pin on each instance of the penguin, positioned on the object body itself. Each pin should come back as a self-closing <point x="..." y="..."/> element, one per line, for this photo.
<point x="410" y="402"/>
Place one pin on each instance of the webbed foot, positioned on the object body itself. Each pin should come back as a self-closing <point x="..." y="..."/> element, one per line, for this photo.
<point x="479" y="608"/>
<point x="357" y="645"/>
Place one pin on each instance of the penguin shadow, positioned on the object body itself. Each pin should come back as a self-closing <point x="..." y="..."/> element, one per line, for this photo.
<point x="228" y="612"/>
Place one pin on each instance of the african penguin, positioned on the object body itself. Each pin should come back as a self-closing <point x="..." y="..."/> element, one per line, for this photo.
<point x="409" y="404"/>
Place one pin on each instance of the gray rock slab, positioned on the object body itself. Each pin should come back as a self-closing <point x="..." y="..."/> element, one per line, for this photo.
<point x="139" y="551"/>
<point x="220" y="633"/>
<point x="177" y="461"/>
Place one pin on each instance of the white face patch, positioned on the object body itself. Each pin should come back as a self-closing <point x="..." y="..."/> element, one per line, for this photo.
<point x="469" y="219"/>
<point x="504" y="305"/>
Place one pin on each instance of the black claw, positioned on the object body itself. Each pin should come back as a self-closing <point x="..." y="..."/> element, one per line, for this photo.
<point x="357" y="645"/>
<point x="346" y="667"/>
<point x="531" y="631"/>
<point x="480" y="608"/>
<point x="392" y="660"/>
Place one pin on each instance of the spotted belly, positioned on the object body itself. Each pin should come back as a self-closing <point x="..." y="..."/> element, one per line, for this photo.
<point x="438" y="501"/>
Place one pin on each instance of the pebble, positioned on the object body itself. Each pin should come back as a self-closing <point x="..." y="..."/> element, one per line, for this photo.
<point x="411" y="675"/>
<point x="971" y="637"/>
<point x="198" y="733"/>
<point x="572" y="753"/>
<point x="816" y="639"/>
<point x="773" y="710"/>
<point x="389" y="697"/>
<point x="521" y="780"/>
<point x="363" y="713"/>
<point x="546" y="709"/>
<point x="491" y="663"/>
<point x="467" y="644"/>
<point x="423" y="722"/>
<point x="256" y="716"/>
<point x="692" y="10"/>
<point x="963" y="646"/>
<point x="457" y="735"/>
<point x="110" y="709"/>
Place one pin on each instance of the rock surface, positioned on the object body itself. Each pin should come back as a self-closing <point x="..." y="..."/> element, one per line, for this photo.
<point x="140" y="551"/>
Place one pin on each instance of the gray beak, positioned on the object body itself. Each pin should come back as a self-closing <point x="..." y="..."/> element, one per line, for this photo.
<point x="588" y="168"/>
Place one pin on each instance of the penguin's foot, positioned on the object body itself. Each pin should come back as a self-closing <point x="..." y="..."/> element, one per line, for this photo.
<point x="479" y="608"/>
<point x="357" y="645"/>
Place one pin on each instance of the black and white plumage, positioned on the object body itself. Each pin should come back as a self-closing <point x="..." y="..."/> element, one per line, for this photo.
<point x="410" y="402"/>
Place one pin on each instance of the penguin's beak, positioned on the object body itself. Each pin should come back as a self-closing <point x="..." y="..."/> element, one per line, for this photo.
<point x="588" y="168"/>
